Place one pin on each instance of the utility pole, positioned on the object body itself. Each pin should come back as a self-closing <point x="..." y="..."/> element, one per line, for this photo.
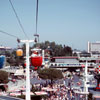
<point x="28" y="97"/>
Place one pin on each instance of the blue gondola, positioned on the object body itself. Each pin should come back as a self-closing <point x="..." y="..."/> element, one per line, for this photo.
<point x="2" y="60"/>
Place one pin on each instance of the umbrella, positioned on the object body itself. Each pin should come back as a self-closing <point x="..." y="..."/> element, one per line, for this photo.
<point x="41" y="93"/>
<point x="24" y="93"/>
<point x="15" y="94"/>
<point x="49" y="89"/>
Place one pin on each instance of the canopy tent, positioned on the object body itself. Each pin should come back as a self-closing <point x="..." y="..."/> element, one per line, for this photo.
<point x="41" y="93"/>
<point x="19" y="72"/>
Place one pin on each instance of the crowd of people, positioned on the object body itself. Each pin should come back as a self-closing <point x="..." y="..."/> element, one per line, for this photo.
<point x="58" y="91"/>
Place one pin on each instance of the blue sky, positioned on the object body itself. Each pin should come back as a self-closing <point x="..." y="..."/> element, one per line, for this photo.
<point x="69" y="22"/>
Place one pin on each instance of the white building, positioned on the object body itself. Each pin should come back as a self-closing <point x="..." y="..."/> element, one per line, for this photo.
<point x="94" y="47"/>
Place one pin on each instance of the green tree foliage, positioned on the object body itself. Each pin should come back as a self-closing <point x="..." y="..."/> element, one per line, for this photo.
<point x="14" y="60"/>
<point x="90" y="96"/>
<point x="56" y="49"/>
<point x="49" y="73"/>
<point x="67" y="51"/>
<point x="3" y="77"/>
<point x="7" y="53"/>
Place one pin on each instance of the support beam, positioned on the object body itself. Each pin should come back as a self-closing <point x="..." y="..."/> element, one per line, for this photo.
<point x="28" y="97"/>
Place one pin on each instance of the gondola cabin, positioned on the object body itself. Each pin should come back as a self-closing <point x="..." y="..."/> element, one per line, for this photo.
<point x="2" y="61"/>
<point x="19" y="52"/>
<point x="36" y="58"/>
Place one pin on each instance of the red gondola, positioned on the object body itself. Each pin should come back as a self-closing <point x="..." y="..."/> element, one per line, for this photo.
<point x="36" y="58"/>
<point x="36" y="61"/>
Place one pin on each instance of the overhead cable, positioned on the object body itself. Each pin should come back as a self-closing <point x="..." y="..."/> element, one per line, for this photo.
<point x="36" y="35"/>
<point x="8" y="34"/>
<point x="18" y="18"/>
<point x="36" y="15"/>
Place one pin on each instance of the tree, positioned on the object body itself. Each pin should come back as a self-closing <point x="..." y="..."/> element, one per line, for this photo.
<point x="7" y="53"/>
<point x="67" y="51"/>
<point x="90" y="96"/>
<point x="49" y="73"/>
<point x="4" y="77"/>
<point x="57" y="50"/>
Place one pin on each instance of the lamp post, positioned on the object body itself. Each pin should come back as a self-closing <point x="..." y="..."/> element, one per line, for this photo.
<point x="27" y="68"/>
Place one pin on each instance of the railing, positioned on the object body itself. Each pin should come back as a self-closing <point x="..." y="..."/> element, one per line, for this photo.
<point x="70" y="65"/>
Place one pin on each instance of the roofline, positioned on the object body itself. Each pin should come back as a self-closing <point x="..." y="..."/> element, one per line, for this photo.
<point x="67" y="57"/>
